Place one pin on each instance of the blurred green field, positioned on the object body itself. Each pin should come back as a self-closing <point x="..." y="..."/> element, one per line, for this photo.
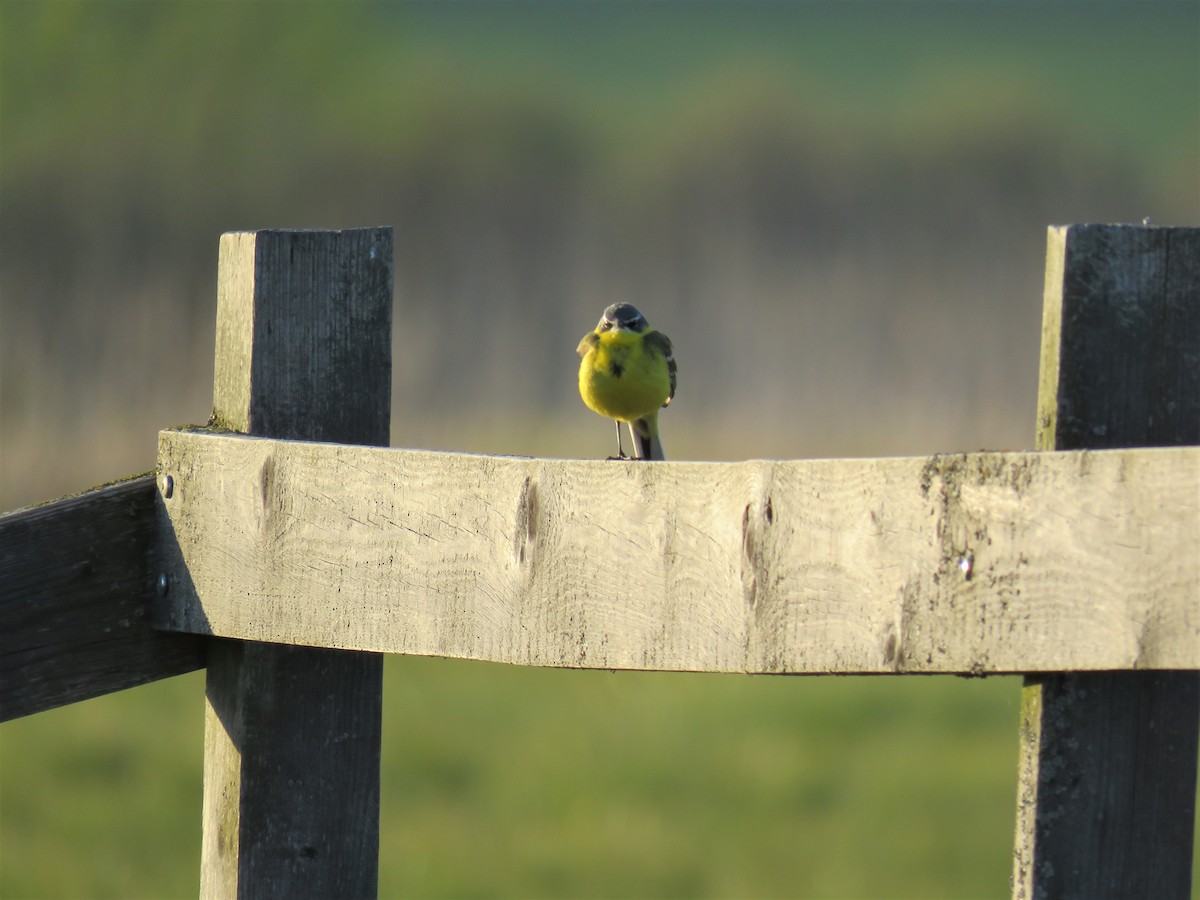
<point x="508" y="782"/>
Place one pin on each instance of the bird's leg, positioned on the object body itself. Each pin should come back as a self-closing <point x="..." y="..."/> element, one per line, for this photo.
<point x="620" y="449"/>
<point x="635" y="432"/>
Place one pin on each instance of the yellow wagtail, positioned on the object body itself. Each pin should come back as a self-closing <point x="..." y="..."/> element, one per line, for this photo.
<point x="628" y="374"/>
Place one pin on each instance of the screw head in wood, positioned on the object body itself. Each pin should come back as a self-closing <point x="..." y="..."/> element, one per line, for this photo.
<point x="167" y="484"/>
<point x="966" y="565"/>
<point x="164" y="584"/>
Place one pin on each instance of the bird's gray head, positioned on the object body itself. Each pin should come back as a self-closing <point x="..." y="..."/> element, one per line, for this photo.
<point x="623" y="315"/>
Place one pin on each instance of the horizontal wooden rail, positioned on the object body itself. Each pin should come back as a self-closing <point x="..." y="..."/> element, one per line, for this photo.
<point x="76" y="589"/>
<point x="970" y="564"/>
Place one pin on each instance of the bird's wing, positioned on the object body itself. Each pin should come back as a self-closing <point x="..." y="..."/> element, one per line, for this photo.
<point x="656" y="340"/>
<point x="590" y="341"/>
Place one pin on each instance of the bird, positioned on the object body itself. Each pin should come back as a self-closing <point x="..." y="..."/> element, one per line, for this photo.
<point x="628" y="374"/>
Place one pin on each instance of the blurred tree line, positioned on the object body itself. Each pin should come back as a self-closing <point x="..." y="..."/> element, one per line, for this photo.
<point x="837" y="211"/>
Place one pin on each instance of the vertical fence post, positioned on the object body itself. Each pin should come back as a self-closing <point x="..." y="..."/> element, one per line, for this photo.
<point x="292" y="734"/>
<point x="1106" y="800"/>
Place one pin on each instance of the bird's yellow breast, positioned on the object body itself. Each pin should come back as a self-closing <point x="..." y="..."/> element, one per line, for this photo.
<point x="620" y="378"/>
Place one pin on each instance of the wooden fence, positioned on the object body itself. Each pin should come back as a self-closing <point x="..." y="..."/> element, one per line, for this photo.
<point x="285" y="549"/>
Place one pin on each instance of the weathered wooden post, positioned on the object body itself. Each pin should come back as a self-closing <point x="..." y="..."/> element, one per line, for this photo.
<point x="292" y="734"/>
<point x="1108" y="760"/>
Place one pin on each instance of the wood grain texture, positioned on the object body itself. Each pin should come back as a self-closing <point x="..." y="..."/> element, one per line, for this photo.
<point x="304" y="337"/>
<point x="1074" y="560"/>
<point x="77" y="584"/>
<point x="1120" y="338"/>
<point x="292" y="734"/>
<point x="291" y="776"/>
<point x="1108" y="760"/>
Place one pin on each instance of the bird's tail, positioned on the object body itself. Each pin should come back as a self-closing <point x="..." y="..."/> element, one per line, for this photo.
<point x="646" y="442"/>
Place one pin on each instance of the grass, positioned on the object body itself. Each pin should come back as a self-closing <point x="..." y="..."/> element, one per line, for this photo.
<point x="509" y="782"/>
<point x="101" y="799"/>
<point x="637" y="784"/>
<point x="501" y="781"/>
